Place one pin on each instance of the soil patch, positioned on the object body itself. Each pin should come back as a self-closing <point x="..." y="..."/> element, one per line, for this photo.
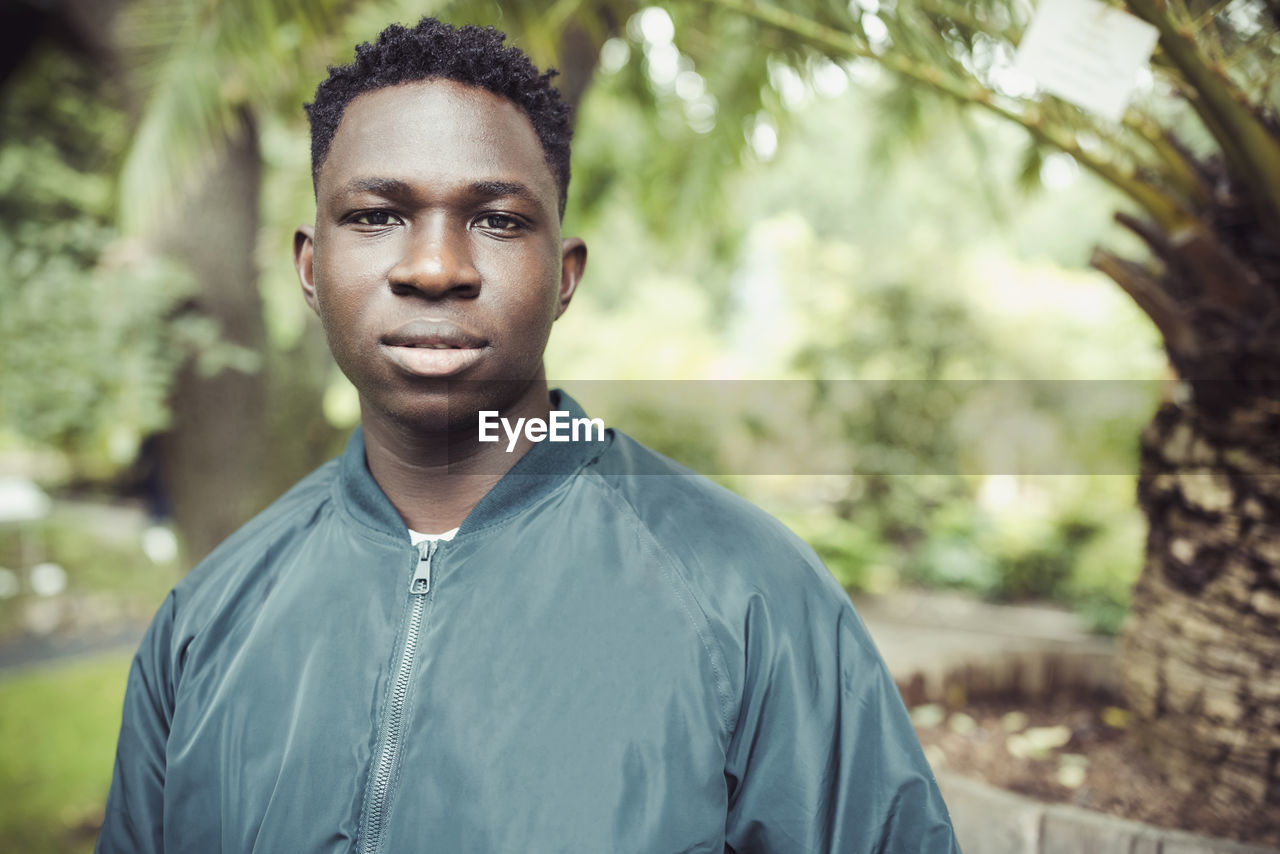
<point x="1068" y="750"/>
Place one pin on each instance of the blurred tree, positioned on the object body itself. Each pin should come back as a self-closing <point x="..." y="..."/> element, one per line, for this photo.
<point x="1200" y="161"/>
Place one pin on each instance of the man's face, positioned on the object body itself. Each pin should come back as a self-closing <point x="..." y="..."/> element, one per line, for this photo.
<point x="436" y="254"/>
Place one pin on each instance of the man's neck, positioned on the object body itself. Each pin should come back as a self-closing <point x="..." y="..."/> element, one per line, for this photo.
<point x="434" y="480"/>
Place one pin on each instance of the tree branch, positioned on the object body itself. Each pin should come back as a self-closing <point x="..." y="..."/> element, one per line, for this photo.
<point x="1170" y="213"/>
<point x="1247" y="143"/>
<point x="1138" y="282"/>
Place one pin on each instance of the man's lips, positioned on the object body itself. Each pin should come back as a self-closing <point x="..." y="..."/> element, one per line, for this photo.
<point x="433" y="348"/>
<point x="433" y="334"/>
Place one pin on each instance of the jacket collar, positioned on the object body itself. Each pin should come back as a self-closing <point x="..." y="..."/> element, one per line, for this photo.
<point x="538" y="473"/>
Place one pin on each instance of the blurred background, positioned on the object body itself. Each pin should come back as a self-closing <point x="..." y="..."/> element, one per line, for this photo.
<point x="810" y="193"/>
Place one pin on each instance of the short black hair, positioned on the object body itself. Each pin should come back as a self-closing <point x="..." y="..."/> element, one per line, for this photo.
<point x="475" y="56"/>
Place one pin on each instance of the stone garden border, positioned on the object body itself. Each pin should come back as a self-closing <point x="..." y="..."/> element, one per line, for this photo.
<point x="990" y="820"/>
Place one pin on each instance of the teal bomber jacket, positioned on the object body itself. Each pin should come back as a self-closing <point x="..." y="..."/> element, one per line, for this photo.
<point x="613" y="655"/>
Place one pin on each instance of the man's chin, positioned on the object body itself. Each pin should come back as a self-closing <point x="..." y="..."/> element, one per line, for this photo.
<point x="451" y="410"/>
<point x="427" y="423"/>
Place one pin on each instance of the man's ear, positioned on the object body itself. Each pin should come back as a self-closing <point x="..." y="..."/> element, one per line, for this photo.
<point x="573" y="262"/>
<point x="303" y="257"/>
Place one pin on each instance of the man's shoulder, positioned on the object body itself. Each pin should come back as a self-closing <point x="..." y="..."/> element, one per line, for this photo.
<point x="656" y="484"/>
<point x="284" y="518"/>
<point x="721" y="538"/>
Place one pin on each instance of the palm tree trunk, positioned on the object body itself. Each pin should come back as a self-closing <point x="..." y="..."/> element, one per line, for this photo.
<point x="1200" y="655"/>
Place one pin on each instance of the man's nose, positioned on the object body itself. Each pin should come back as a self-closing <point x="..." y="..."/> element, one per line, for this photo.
<point x="436" y="262"/>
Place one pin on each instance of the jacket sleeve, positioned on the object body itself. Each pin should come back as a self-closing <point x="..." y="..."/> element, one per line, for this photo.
<point x="824" y="757"/>
<point x="134" y="819"/>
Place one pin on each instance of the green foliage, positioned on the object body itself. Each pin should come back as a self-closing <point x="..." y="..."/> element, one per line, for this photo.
<point x="88" y="351"/>
<point x="59" y="728"/>
<point x="88" y="355"/>
<point x="868" y="281"/>
<point x="62" y="133"/>
<point x="1107" y="564"/>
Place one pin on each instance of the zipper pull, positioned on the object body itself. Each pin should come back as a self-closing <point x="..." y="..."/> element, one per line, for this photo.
<point x="421" y="581"/>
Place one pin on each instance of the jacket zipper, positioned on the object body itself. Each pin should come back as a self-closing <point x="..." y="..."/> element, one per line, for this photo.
<point x="389" y="753"/>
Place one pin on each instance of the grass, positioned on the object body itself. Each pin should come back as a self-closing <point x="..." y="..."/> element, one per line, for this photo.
<point x="58" y="728"/>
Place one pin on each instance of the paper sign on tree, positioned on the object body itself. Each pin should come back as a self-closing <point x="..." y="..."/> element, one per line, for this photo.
<point x="1087" y="53"/>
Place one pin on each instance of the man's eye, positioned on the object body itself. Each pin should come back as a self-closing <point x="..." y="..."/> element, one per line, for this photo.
<point x="374" y="218"/>
<point x="498" y="222"/>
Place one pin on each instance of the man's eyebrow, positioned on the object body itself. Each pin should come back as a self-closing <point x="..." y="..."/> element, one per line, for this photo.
<point x="504" y="189"/>
<point x="379" y="186"/>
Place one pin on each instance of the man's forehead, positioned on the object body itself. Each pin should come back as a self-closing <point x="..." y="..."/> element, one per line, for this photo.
<point x="436" y="130"/>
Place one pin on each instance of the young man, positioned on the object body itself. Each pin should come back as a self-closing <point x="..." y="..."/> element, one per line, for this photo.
<point x="576" y="655"/>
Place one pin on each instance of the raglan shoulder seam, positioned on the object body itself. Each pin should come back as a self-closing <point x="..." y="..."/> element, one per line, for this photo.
<point x="700" y="622"/>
